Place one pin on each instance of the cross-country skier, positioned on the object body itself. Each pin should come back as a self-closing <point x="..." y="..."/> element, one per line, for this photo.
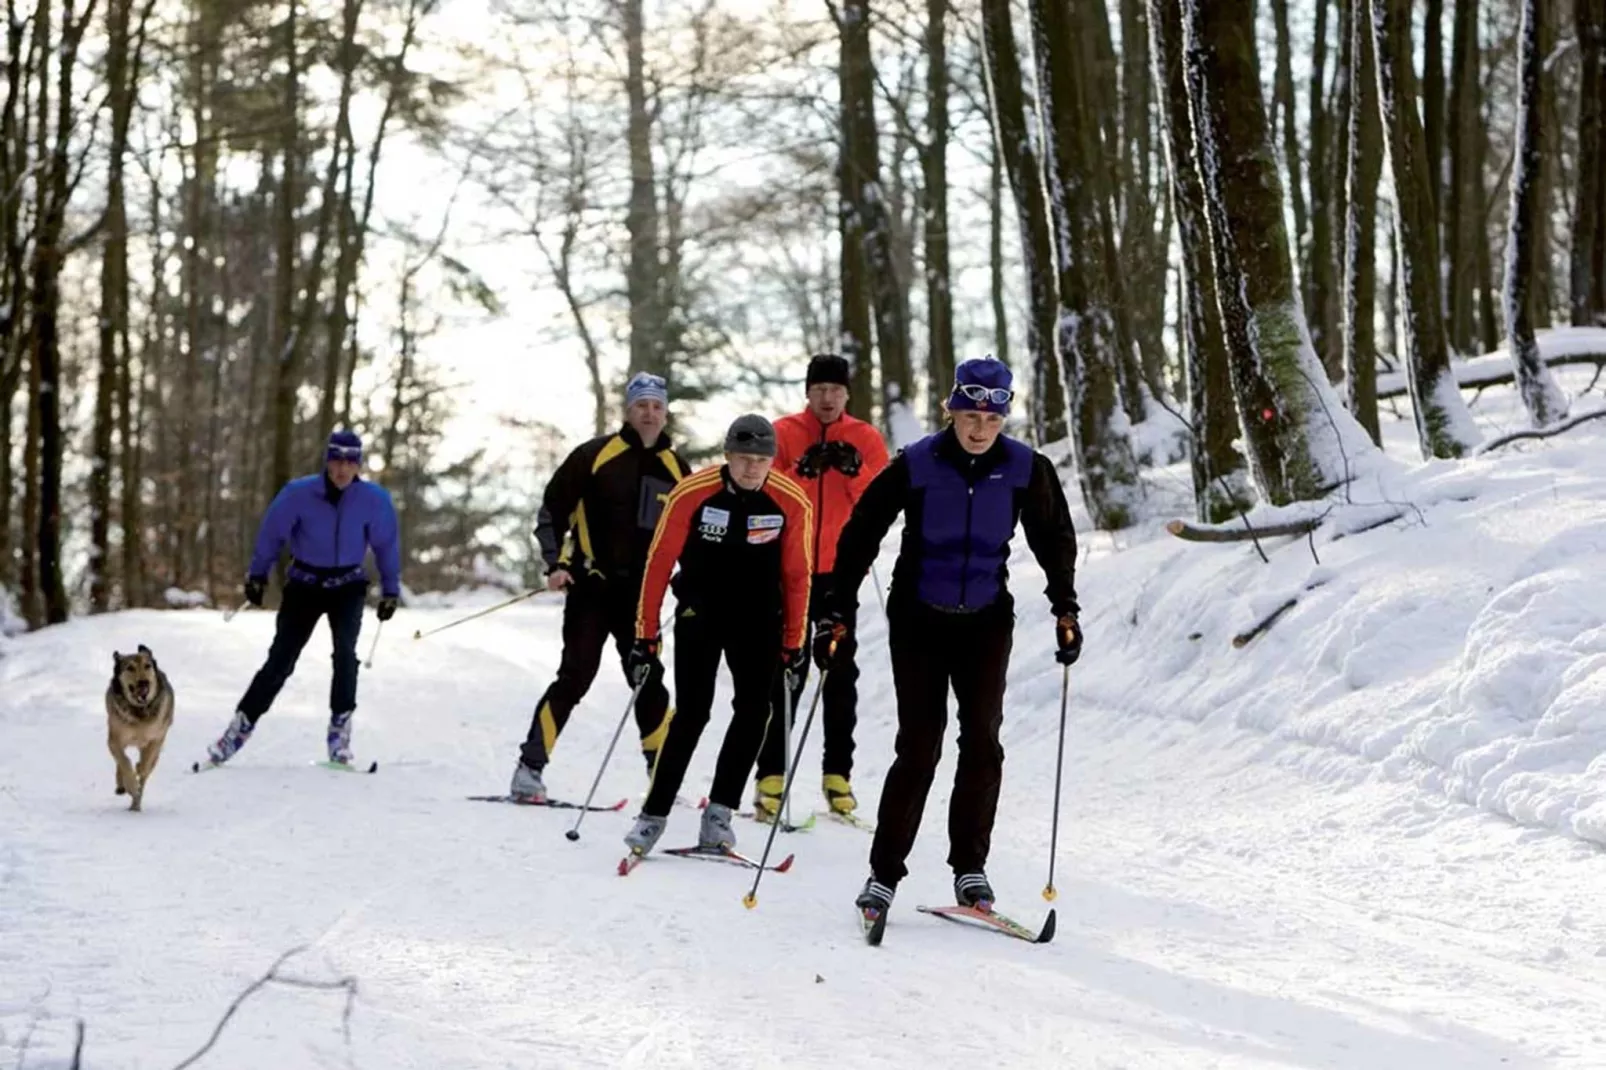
<point x="330" y="521"/>
<point x="833" y="457"/>
<point x="596" y="523"/>
<point x="742" y="536"/>
<point x="951" y="616"/>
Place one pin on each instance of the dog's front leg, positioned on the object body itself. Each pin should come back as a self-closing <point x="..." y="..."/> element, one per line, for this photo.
<point x="147" y="765"/>
<point x="127" y="778"/>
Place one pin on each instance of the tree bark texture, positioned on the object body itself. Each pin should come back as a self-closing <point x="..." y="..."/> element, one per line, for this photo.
<point x="1463" y="201"/>
<point x="934" y="168"/>
<point x="1587" y="274"/>
<point x="287" y="354"/>
<point x="1363" y="169"/>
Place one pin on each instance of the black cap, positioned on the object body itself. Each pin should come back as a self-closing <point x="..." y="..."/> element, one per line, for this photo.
<point x="828" y="368"/>
<point x="751" y="434"/>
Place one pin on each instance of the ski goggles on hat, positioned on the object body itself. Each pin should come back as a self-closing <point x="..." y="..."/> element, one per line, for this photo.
<point x="343" y="453"/>
<point x="976" y="392"/>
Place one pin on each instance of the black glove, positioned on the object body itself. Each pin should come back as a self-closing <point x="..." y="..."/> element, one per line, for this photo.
<point x="1069" y="633"/>
<point x="254" y="588"/>
<point x="829" y="635"/>
<point x="844" y="457"/>
<point x="387" y="607"/>
<point x="813" y="462"/>
<point x="642" y="661"/>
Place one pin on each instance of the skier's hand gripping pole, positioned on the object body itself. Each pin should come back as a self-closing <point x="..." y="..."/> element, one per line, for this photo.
<point x="750" y="900"/>
<point x="1059" y="766"/>
<point x="574" y="833"/>
<point x="484" y="612"/>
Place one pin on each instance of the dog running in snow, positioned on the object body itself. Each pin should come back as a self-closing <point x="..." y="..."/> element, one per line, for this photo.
<point x="139" y="711"/>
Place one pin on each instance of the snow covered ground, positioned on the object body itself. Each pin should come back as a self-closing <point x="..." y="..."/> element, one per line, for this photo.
<point x="1369" y="838"/>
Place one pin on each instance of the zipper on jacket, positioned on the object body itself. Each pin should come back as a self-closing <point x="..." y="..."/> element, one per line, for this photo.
<point x="964" y="575"/>
<point x="337" y="523"/>
<point x="819" y="500"/>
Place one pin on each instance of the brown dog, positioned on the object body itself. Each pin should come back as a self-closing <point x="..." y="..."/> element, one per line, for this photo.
<point x="139" y="711"/>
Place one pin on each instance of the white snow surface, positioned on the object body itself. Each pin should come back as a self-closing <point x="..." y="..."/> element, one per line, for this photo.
<point x="1369" y="838"/>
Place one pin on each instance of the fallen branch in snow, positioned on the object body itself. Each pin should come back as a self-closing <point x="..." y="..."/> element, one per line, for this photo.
<point x="346" y="984"/>
<point x="1557" y="346"/>
<point x="1243" y="639"/>
<point x="1548" y="432"/>
<point x="1192" y="532"/>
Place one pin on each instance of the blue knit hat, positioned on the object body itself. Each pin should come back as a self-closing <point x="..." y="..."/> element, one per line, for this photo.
<point x="982" y="385"/>
<point x="645" y="386"/>
<point x="343" y="446"/>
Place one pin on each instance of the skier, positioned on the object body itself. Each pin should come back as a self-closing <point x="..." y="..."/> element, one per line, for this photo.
<point x="330" y="521"/>
<point x="951" y="616"/>
<point x="595" y="525"/>
<point x="833" y="457"/>
<point x="741" y="535"/>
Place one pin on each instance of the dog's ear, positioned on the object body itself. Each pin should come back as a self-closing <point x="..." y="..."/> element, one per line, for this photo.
<point x="143" y="649"/>
<point x="117" y="660"/>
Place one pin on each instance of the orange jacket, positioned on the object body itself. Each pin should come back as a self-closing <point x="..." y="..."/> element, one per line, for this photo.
<point x="832" y="493"/>
<point x="743" y="554"/>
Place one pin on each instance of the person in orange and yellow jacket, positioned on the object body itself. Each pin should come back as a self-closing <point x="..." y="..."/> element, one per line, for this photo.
<point x="833" y="457"/>
<point x="742" y="535"/>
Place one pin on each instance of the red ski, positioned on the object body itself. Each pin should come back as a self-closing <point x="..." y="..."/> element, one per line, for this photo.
<point x="994" y="920"/>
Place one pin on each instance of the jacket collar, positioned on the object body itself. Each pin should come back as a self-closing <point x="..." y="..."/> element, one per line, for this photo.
<point x="971" y="465"/>
<point x="333" y="493"/>
<point x="816" y="428"/>
<point x="633" y="440"/>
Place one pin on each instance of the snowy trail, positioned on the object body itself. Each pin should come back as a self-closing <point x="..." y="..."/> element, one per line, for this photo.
<point x="1216" y="909"/>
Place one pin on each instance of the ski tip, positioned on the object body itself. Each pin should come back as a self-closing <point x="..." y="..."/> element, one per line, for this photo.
<point x="786" y="864"/>
<point x="624" y="867"/>
<point x="620" y="805"/>
<point x="1046" y="933"/>
<point x="195" y="767"/>
<point x="373" y="767"/>
<point x="749" y="900"/>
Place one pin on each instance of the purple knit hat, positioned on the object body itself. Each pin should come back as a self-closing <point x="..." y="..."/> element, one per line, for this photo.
<point x="343" y="446"/>
<point x="982" y="385"/>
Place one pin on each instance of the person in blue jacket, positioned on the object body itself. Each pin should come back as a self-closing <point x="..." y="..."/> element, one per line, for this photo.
<point x="329" y="520"/>
<point x="951" y="618"/>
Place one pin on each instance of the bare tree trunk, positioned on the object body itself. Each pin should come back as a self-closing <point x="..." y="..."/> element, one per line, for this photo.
<point x="1086" y="341"/>
<point x="852" y="270"/>
<point x="1048" y="400"/>
<point x="1537" y="387"/>
<point x="1299" y="438"/>
<point x="1321" y="294"/>
<point x="934" y="169"/>
<point x="13" y="164"/>
<point x="1217" y="466"/>
<point x="1363" y="168"/>
<point x="204" y="58"/>
<point x="1443" y="424"/>
<point x="1588" y="257"/>
<point x="641" y="218"/>
<point x="1283" y="92"/>
<point x="995" y="232"/>
<point x="1463" y="205"/>
<point x="1433" y="95"/>
<point x="286" y="353"/>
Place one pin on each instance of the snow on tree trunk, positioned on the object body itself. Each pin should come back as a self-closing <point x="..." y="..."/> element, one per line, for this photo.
<point x="1363" y="168"/>
<point x="1003" y="71"/>
<point x="1217" y="466"/>
<point x="1540" y="394"/>
<point x="1301" y="441"/>
<point x="1589" y="203"/>
<point x="1087" y="342"/>
<point x="1444" y="426"/>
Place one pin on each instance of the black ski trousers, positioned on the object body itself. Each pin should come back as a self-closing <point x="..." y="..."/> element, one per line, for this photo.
<point x="752" y="650"/>
<point x="594" y="610"/>
<point x="932" y="650"/>
<point x="839" y="704"/>
<point x="302" y="606"/>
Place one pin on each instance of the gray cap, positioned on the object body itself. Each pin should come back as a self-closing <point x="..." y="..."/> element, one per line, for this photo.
<point x="751" y="434"/>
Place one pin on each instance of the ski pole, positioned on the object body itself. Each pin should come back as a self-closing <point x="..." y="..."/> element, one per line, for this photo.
<point x="375" y="647"/>
<point x="786" y="752"/>
<point x="1059" y="765"/>
<point x="876" y="576"/>
<point x="473" y="616"/>
<point x="574" y="833"/>
<point x="750" y="900"/>
<point x="228" y="614"/>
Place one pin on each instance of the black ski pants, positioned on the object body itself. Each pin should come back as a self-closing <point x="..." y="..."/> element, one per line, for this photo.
<point x="594" y="610"/>
<point x="751" y="647"/>
<point x="302" y="606"/>
<point x="931" y="651"/>
<point x="839" y="704"/>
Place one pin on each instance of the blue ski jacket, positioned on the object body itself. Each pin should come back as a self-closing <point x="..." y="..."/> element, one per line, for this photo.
<point x="329" y="532"/>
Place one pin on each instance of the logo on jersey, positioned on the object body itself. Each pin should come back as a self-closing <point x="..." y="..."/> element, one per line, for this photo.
<point x="714" y="523"/>
<point x="766" y="528"/>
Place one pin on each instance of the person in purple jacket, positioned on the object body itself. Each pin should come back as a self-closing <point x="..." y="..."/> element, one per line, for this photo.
<point x="329" y="520"/>
<point x="951" y="618"/>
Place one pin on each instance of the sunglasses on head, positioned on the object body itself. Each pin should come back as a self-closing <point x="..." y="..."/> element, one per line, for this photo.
<point x="996" y="395"/>
<point x="345" y="453"/>
<point x="744" y="437"/>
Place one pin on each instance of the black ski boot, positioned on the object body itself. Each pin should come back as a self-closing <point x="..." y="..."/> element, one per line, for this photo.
<point x="873" y="904"/>
<point x="972" y="890"/>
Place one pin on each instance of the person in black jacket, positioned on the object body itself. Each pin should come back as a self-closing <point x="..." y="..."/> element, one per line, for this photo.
<point x="951" y="617"/>
<point x="596" y="523"/>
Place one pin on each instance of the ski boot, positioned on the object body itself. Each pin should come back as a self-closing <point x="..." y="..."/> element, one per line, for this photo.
<point x="972" y="890"/>
<point x="716" y="831"/>
<point x="527" y="785"/>
<point x="340" y="737"/>
<point x="233" y="738"/>
<point x="641" y="839"/>
<point x="767" y="791"/>
<point x="839" y="794"/>
<point x="875" y="896"/>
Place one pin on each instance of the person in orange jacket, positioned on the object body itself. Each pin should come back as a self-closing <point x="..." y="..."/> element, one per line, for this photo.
<point x="833" y="457"/>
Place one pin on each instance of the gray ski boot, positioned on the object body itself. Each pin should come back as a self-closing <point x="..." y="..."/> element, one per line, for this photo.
<point x="527" y="785"/>
<point x="716" y="831"/>
<point x="644" y="836"/>
<point x="340" y="737"/>
<point x="233" y="738"/>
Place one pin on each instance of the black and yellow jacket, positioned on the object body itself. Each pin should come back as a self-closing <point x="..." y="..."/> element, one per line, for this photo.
<point x="603" y="504"/>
